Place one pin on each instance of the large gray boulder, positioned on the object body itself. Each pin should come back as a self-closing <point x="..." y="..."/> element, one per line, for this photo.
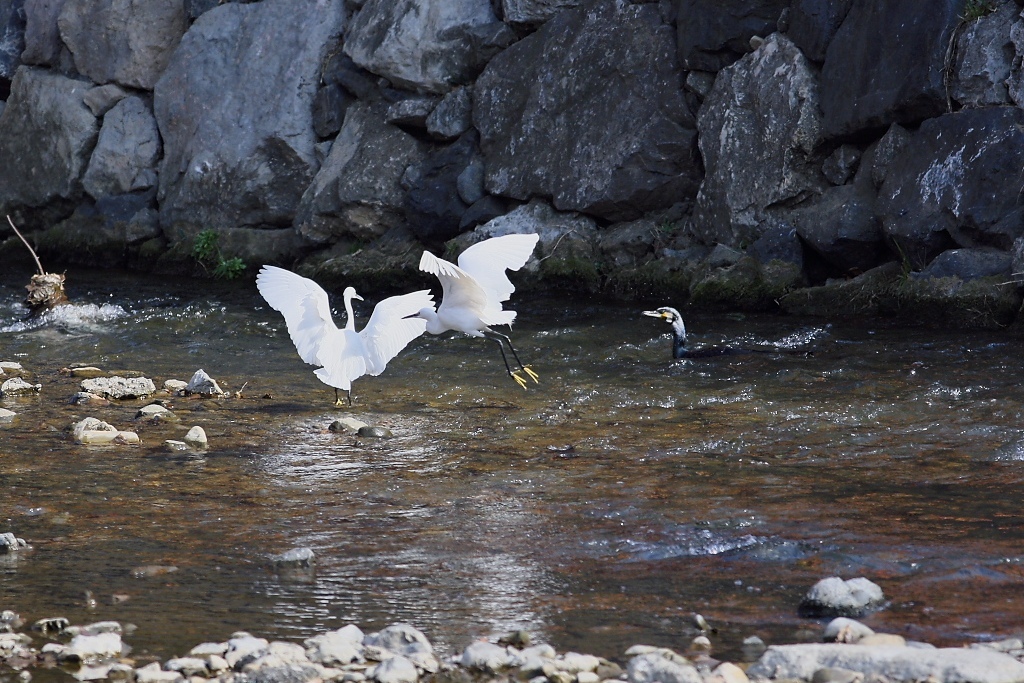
<point x="533" y="12"/>
<point x="126" y="152"/>
<point x="234" y="108"/>
<point x="12" y="36"/>
<point x="983" y="58"/>
<point x="842" y="227"/>
<point x="715" y="33"/>
<point x="44" y="112"/>
<point x="956" y="182"/>
<point x="813" y="24"/>
<point x="358" y="192"/>
<point x="433" y="207"/>
<point x="425" y="45"/>
<point x="759" y="128"/>
<point x="886" y="63"/>
<point x="122" y="41"/>
<point x="43" y="45"/>
<point x="589" y="111"/>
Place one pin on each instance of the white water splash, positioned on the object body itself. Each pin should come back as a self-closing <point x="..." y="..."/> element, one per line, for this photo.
<point x="80" y="317"/>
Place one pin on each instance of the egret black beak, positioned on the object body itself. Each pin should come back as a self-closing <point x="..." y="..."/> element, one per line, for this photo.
<point x="414" y="315"/>
<point x="655" y="314"/>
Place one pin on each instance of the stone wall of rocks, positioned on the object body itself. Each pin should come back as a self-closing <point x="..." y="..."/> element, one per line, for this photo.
<point x="818" y="156"/>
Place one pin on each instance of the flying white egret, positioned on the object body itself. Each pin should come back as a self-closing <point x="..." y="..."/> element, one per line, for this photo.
<point x="473" y="291"/>
<point x="341" y="355"/>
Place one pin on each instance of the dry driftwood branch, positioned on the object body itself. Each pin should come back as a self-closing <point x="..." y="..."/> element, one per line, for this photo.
<point x="45" y="290"/>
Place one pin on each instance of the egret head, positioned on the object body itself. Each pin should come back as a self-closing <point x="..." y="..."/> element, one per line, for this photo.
<point x="350" y="293"/>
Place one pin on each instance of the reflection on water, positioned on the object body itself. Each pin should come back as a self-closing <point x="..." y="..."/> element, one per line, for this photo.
<point x="597" y="510"/>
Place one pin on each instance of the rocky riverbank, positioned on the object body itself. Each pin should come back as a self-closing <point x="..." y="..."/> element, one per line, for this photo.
<point x="401" y="653"/>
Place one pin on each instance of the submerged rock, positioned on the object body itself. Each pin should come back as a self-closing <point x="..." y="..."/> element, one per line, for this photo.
<point x="295" y="556"/>
<point x="6" y="415"/>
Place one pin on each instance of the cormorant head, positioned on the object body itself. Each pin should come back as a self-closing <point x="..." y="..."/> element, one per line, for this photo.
<point x="673" y="318"/>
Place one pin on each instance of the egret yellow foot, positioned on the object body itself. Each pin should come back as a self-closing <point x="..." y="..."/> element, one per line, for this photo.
<point x="519" y="380"/>
<point x="533" y="375"/>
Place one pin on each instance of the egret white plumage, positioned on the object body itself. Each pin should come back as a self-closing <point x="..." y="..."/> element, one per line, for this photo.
<point x="342" y="355"/>
<point x="473" y="291"/>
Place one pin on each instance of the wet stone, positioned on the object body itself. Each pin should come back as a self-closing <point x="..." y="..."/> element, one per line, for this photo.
<point x="375" y="432"/>
<point x="9" y="543"/>
<point x="196" y="438"/>
<point x="10" y="367"/>
<point x="7" y="415"/>
<point x="835" y="597"/>
<point x="301" y="557"/>
<point x="85" y="648"/>
<point x="401" y="639"/>
<point x="156" y="413"/>
<point x="175" y="385"/>
<point x="340" y="647"/>
<point x="152" y="673"/>
<point x="87" y="372"/>
<point x="398" y="669"/>
<point x="347" y="425"/>
<point x="82" y="398"/>
<point x="486" y="657"/>
<point x="119" y="388"/>
<point x="16" y="386"/>
<point x="204" y="385"/>
<point x="187" y="666"/>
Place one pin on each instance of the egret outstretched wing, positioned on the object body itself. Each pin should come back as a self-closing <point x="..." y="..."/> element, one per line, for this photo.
<point x="459" y="290"/>
<point x="390" y="329"/>
<point x="305" y="307"/>
<point x="487" y="262"/>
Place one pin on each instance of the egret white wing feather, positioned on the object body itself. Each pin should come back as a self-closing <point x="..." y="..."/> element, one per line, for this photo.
<point x="487" y="262"/>
<point x="305" y="307"/>
<point x="458" y="288"/>
<point x="390" y="330"/>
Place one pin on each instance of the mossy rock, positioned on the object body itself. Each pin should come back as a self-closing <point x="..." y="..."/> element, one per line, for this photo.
<point x="740" y="286"/>
<point x="660" y="279"/>
<point x="869" y="294"/>
<point x="984" y="303"/>
<point x="371" y="271"/>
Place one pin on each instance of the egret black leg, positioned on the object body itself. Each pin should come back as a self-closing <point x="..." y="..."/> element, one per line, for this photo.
<point x="499" y="337"/>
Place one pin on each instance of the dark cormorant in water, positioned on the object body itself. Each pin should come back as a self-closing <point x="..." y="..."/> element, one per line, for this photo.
<point x="679" y="349"/>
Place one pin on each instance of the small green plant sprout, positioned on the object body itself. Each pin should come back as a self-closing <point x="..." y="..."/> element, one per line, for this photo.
<point x="976" y="9"/>
<point x="206" y="251"/>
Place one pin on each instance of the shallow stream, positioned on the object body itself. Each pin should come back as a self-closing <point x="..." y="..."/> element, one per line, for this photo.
<point x="598" y="509"/>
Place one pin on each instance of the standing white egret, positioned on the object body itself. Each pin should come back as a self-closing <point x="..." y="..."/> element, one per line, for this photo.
<point x="342" y="355"/>
<point x="473" y="291"/>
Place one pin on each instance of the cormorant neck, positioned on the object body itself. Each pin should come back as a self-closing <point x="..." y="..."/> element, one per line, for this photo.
<point x="678" y="338"/>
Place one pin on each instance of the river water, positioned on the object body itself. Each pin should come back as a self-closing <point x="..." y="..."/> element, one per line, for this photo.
<point x="599" y="508"/>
